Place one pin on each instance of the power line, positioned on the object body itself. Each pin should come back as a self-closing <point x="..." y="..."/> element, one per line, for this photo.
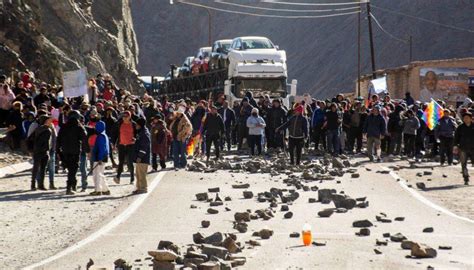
<point x="313" y="4"/>
<point x="286" y="10"/>
<point x="268" y="15"/>
<point x="385" y="31"/>
<point x="425" y="20"/>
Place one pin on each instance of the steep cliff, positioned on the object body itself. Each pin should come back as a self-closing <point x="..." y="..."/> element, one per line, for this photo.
<point x="322" y="53"/>
<point x="50" y="36"/>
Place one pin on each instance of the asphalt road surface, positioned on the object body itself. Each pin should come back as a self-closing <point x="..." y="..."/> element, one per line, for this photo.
<point x="165" y="214"/>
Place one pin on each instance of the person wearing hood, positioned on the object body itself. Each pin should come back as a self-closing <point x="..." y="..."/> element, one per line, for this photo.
<point x="142" y="155"/>
<point x="463" y="140"/>
<point x="99" y="156"/>
<point x="444" y="132"/>
<point x="297" y="127"/>
<point x="251" y="100"/>
<point x="41" y="148"/>
<point x="244" y="113"/>
<point x="71" y="142"/>
<point x="181" y="129"/>
<point x="256" y="126"/>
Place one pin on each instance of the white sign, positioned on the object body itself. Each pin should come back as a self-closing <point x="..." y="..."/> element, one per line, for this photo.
<point x="378" y="86"/>
<point x="75" y="83"/>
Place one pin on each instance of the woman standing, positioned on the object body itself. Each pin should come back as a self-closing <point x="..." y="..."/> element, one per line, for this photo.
<point x="256" y="126"/>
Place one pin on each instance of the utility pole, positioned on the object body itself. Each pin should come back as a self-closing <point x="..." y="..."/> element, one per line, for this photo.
<point x="358" y="51"/>
<point x="410" y="40"/>
<point x="371" y="39"/>
<point x="210" y="27"/>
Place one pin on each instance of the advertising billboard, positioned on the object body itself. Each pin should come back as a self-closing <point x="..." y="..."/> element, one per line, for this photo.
<point x="447" y="84"/>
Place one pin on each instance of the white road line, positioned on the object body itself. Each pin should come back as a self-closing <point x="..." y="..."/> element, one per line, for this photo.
<point x="107" y="228"/>
<point x="422" y="199"/>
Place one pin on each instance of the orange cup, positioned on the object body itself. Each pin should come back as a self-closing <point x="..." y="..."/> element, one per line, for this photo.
<point x="307" y="238"/>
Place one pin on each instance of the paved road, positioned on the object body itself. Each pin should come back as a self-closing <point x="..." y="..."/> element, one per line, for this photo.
<point x="166" y="215"/>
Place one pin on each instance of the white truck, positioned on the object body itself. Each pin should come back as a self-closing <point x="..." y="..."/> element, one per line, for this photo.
<point x="256" y="65"/>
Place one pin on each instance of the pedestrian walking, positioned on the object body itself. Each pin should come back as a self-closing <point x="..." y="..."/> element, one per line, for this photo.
<point x="256" y="126"/>
<point x="99" y="156"/>
<point x="444" y="132"/>
<point x="71" y="142"/>
<point x="298" y="131"/>
<point x="142" y="156"/>
<point x="374" y="128"/>
<point x="213" y="128"/>
<point x="464" y="142"/>
<point x="41" y="148"/>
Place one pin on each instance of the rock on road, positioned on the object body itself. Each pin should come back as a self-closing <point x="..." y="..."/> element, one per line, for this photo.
<point x="166" y="215"/>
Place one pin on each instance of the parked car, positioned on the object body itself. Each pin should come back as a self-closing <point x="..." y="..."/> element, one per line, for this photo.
<point x="201" y="62"/>
<point x="185" y="69"/>
<point x="220" y="49"/>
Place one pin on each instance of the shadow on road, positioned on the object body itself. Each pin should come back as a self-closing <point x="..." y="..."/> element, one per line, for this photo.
<point x="446" y="187"/>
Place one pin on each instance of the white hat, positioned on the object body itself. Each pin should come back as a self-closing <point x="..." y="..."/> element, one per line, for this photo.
<point x="254" y="110"/>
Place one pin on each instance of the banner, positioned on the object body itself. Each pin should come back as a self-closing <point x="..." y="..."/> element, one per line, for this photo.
<point x="448" y="84"/>
<point x="75" y="83"/>
<point x="378" y="86"/>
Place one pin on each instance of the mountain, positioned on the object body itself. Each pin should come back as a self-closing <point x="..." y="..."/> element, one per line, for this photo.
<point x="322" y="52"/>
<point x="51" y="36"/>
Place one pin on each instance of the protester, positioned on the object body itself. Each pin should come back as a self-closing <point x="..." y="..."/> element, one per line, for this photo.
<point x="410" y="125"/>
<point x="275" y="118"/>
<point x="181" y="130"/>
<point x="71" y="142"/>
<point x="41" y="148"/>
<point x="245" y="112"/>
<point x="160" y="142"/>
<point x="297" y="127"/>
<point x="317" y="125"/>
<point x="228" y="116"/>
<point x="256" y="126"/>
<point x="444" y="132"/>
<point x="374" y="129"/>
<point x="124" y="140"/>
<point x="464" y="142"/>
<point x="99" y="156"/>
<point x="142" y="156"/>
<point x="213" y="128"/>
<point x="332" y="124"/>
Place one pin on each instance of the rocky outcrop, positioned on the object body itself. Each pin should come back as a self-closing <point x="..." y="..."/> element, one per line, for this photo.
<point x="49" y="37"/>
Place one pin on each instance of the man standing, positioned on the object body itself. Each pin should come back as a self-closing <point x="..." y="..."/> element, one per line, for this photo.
<point x="142" y="156"/>
<point x="72" y="141"/>
<point x="464" y="142"/>
<point x="275" y="118"/>
<point x="244" y="114"/>
<point x="444" y="132"/>
<point x="298" y="131"/>
<point x="42" y="145"/>
<point x="317" y="122"/>
<point x="125" y="139"/>
<point x="213" y="128"/>
<point x="181" y="128"/>
<point x="333" y="120"/>
<point x="375" y="128"/>
<point x="228" y="116"/>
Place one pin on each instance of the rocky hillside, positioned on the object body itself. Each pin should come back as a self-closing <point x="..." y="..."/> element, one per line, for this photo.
<point x="322" y="53"/>
<point x="50" y="36"/>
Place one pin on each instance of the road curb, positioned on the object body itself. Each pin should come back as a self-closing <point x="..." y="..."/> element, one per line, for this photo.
<point x="15" y="168"/>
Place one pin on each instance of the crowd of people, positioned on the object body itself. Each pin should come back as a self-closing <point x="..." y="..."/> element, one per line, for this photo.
<point x="112" y="125"/>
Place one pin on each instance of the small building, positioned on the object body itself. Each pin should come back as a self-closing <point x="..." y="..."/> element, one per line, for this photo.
<point x="448" y="79"/>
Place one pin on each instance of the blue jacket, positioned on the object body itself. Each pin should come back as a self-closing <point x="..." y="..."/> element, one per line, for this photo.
<point x="446" y="127"/>
<point x="374" y="126"/>
<point x="318" y="117"/>
<point x="143" y="146"/>
<point x="101" y="150"/>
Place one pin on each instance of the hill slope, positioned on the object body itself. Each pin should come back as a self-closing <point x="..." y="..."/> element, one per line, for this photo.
<point x="322" y="53"/>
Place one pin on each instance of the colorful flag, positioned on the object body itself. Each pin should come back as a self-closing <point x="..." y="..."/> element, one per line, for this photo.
<point x="432" y="114"/>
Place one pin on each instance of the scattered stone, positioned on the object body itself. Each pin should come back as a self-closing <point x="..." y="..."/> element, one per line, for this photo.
<point x="265" y="233"/>
<point x="193" y="206"/>
<point x="212" y="211"/>
<point x="168" y="245"/>
<point x="423" y="251"/>
<point x="241" y="227"/>
<point x="364" y="232"/>
<point x="361" y="199"/>
<point x="218" y="252"/>
<point x="355" y="175"/>
<point x="238" y="262"/>
<point x="319" y="243"/>
<point x="217" y="203"/>
<point x="288" y="215"/>
<point x="118" y="264"/>
<point x="198" y="238"/>
<point x="205" y="223"/>
<point x="381" y="242"/>
<point x="248" y="194"/>
<point x="378" y="252"/>
<point x="386" y="235"/>
<point x="209" y="266"/>
<point x="216" y="189"/>
<point x="254" y="243"/>
<point x="398" y="237"/>
<point x="230" y="245"/>
<point x="362" y="223"/>
<point x="214" y="239"/>
<point x="242" y="216"/>
<point x="163" y="255"/>
<point x="325" y="195"/>
<point x="407" y="244"/>
<point x="325" y="213"/>
<point x="421" y="185"/>
<point x="445" y="247"/>
<point x="341" y="210"/>
<point x="284" y="208"/>
<point x="294" y="235"/>
<point x="445" y="175"/>
<point x="241" y="186"/>
<point x="343" y="201"/>
<point x="311" y="200"/>
<point x="427" y="173"/>
<point x="227" y="199"/>
<point x="162" y="265"/>
<point x="202" y="196"/>
<point x="228" y="209"/>
<point x="399" y="218"/>
<point x="428" y="230"/>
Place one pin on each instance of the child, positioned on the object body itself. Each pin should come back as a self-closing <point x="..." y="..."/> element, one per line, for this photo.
<point x="100" y="153"/>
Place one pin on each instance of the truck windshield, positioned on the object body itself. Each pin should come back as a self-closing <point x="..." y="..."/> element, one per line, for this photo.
<point x="252" y="44"/>
<point x="259" y="87"/>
